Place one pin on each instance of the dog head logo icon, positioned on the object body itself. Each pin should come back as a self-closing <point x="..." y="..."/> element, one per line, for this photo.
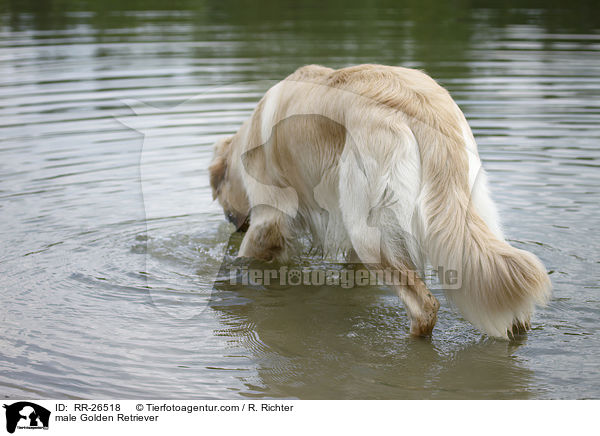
<point x="26" y="415"/>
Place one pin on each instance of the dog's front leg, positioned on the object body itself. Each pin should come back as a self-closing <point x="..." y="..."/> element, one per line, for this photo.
<point x="266" y="238"/>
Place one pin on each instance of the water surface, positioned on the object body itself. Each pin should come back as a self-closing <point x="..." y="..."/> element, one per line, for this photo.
<point x="110" y="240"/>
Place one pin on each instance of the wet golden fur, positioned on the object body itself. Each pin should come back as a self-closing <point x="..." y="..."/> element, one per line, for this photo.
<point x="361" y="142"/>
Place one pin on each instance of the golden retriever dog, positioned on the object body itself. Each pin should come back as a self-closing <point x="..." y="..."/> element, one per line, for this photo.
<point x="379" y="163"/>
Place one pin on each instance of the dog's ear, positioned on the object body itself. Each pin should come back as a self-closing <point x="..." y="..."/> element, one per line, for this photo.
<point x="217" y="170"/>
<point x="218" y="167"/>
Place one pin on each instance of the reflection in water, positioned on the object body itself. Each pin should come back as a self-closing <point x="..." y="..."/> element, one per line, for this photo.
<point x="328" y="343"/>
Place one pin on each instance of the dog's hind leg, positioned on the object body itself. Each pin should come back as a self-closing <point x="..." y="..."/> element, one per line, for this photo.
<point x="370" y="188"/>
<point x="420" y="304"/>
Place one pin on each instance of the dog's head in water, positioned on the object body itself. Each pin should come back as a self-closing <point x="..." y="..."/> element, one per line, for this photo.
<point x="227" y="185"/>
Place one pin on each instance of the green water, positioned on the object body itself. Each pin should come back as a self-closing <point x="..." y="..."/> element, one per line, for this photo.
<point x="110" y="241"/>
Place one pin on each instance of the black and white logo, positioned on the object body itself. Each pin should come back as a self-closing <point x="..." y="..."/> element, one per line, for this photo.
<point x="26" y="415"/>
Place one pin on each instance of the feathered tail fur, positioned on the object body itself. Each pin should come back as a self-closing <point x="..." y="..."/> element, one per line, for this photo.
<point x="498" y="285"/>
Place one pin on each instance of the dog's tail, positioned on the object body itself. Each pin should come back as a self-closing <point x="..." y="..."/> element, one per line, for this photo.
<point x="497" y="285"/>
